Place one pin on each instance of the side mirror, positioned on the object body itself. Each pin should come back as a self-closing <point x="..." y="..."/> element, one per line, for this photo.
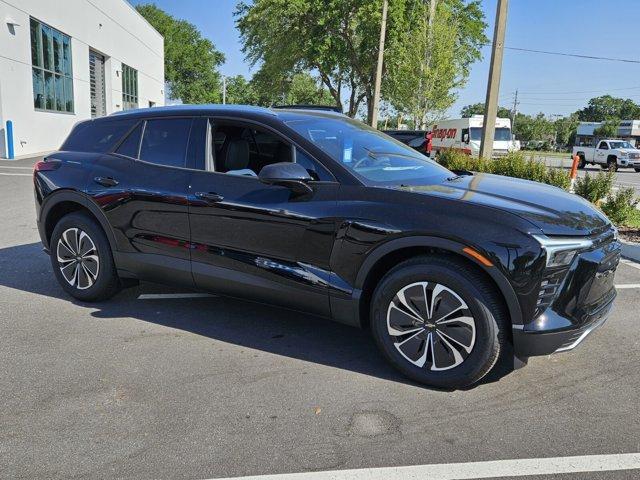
<point x="287" y="174"/>
<point x="465" y="138"/>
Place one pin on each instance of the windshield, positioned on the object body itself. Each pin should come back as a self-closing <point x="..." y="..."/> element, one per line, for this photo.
<point x="502" y="134"/>
<point x="372" y="156"/>
<point x="621" y="145"/>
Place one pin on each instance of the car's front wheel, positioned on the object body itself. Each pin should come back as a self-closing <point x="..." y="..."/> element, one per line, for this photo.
<point x="82" y="260"/>
<point x="438" y="321"/>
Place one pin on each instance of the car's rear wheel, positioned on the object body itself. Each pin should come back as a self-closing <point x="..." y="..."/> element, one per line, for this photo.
<point x="82" y="260"/>
<point x="582" y="162"/>
<point x="438" y="321"/>
<point x="637" y="169"/>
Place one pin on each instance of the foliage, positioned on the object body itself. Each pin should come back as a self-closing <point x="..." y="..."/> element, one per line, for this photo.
<point x="190" y="61"/>
<point x="620" y="206"/>
<point x="240" y="91"/>
<point x="607" y="107"/>
<point x="478" y="109"/>
<point x="512" y="165"/>
<point x="565" y="128"/>
<point x="608" y="129"/>
<point x="427" y="58"/>
<point x="338" y="39"/>
<point x="594" y="188"/>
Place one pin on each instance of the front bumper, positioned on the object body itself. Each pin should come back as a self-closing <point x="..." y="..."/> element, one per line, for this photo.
<point x="531" y="343"/>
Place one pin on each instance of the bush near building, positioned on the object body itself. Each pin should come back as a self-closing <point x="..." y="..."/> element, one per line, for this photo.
<point x="619" y="206"/>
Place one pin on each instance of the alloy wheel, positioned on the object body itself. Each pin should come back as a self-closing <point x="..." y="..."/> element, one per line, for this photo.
<point x="78" y="258"/>
<point x="431" y="326"/>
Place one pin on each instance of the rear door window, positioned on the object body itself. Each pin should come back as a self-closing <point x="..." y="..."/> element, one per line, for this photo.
<point x="97" y="136"/>
<point x="165" y="140"/>
<point x="131" y="146"/>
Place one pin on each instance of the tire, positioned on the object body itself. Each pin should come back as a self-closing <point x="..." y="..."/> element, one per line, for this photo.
<point x="92" y="279"/>
<point x="612" y="165"/>
<point x="637" y="169"/>
<point x="481" y="333"/>
<point x="582" y="163"/>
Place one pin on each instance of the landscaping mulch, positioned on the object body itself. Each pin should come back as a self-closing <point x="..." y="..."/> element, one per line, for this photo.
<point x="629" y="234"/>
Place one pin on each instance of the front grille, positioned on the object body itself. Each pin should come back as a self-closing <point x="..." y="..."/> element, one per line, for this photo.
<point x="549" y="287"/>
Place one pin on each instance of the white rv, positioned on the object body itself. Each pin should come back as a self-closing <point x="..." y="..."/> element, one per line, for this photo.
<point x="464" y="134"/>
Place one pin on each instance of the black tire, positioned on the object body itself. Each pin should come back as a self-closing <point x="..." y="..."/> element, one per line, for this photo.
<point x="78" y="278"/>
<point x="612" y="165"/>
<point x="637" y="169"/>
<point x="483" y="304"/>
<point x="582" y="163"/>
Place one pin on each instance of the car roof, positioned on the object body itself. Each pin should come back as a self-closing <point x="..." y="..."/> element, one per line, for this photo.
<point x="247" y="111"/>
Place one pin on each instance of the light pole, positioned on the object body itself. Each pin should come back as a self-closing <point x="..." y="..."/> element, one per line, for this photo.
<point x="224" y="89"/>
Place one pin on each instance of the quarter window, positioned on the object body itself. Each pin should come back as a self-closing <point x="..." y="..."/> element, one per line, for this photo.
<point x="51" y="71"/>
<point x="129" y="87"/>
<point x="164" y="141"/>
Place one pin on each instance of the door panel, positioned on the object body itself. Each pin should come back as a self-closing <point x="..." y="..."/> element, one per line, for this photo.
<point x="262" y="241"/>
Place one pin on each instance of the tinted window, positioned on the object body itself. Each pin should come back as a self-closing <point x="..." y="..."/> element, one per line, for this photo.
<point x="96" y="136"/>
<point x="603" y="146"/>
<point x="317" y="171"/>
<point x="165" y="141"/>
<point x="131" y="145"/>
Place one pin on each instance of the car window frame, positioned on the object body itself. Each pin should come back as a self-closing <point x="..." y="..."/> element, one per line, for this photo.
<point x="144" y="120"/>
<point x="248" y="123"/>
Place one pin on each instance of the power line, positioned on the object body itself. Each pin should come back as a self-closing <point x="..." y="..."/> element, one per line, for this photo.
<point x="576" y="55"/>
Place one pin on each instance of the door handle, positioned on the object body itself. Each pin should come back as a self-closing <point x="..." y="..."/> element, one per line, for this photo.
<point x="209" y="196"/>
<point x="106" y="181"/>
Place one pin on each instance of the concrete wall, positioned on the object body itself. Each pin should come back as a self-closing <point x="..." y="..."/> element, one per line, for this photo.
<point x="111" y="27"/>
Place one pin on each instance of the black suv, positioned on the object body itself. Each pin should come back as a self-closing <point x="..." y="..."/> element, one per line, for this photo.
<point x="317" y="212"/>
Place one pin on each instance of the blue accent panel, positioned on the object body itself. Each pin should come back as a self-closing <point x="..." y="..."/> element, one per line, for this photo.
<point x="10" y="153"/>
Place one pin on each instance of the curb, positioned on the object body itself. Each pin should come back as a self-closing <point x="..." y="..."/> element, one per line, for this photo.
<point x="631" y="251"/>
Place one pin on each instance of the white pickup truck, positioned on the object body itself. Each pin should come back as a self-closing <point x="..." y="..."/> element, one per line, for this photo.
<point x="609" y="153"/>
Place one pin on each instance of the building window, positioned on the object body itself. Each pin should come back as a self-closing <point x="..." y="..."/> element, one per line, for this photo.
<point x="51" y="68"/>
<point x="129" y="87"/>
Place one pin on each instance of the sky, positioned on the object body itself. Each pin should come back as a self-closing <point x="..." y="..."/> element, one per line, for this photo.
<point x="554" y="85"/>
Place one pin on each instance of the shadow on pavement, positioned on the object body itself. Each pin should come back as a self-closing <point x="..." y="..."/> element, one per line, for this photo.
<point x="252" y="325"/>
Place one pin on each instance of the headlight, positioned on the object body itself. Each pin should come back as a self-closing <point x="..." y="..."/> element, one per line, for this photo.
<point x="624" y="154"/>
<point x="561" y="250"/>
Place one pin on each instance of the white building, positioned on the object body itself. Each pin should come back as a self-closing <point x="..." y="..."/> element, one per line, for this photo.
<point x="62" y="61"/>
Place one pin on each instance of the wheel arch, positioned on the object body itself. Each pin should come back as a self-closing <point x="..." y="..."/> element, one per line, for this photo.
<point x="386" y="256"/>
<point x="63" y="202"/>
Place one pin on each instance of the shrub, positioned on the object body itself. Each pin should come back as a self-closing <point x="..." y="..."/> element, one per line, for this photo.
<point x="514" y="164"/>
<point x="620" y="206"/>
<point x="595" y="188"/>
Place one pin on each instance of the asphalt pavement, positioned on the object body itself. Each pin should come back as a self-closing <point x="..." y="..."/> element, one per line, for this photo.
<point x="161" y="386"/>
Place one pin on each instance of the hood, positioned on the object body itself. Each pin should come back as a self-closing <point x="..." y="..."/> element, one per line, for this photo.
<point x="551" y="209"/>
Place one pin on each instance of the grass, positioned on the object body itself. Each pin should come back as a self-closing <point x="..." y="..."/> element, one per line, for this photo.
<point x="541" y="153"/>
<point x="634" y="220"/>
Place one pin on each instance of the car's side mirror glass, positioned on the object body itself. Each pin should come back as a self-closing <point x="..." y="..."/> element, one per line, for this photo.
<point x="465" y="138"/>
<point x="286" y="174"/>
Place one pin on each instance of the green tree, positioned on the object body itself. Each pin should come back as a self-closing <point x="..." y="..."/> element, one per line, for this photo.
<point x="338" y="39"/>
<point x="566" y="129"/>
<point x="190" y="61"/>
<point x="606" y="107"/>
<point x="534" y="127"/>
<point x="428" y="58"/>
<point x="478" y="109"/>
<point x="240" y="91"/>
<point x="299" y="88"/>
<point x="608" y="129"/>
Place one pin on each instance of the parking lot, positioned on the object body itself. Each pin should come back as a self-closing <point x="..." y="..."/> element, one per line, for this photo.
<point x="156" y="385"/>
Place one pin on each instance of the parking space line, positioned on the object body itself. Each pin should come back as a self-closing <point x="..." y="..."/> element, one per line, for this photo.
<point x="475" y="470"/>
<point x="16" y="168"/>
<point x="16" y="174"/>
<point x="163" y="296"/>
<point x="628" y="285"/>
<point x="630" y="263"/>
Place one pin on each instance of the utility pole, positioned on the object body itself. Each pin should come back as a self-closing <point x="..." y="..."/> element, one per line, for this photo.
<point x="224" y="89"/>
<point x="493" y="84"/>
<point x="515" y="110"/>
<point x="376" y="89"/>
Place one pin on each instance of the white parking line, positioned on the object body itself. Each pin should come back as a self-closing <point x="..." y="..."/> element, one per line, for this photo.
<point x="162" y="296"/>
<point x="628" y="285"/>
<point x="16" y="174"/>
<point x="16" y="168"/>
<point x="630" y="263"/>
<point x="474" y="470"/>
